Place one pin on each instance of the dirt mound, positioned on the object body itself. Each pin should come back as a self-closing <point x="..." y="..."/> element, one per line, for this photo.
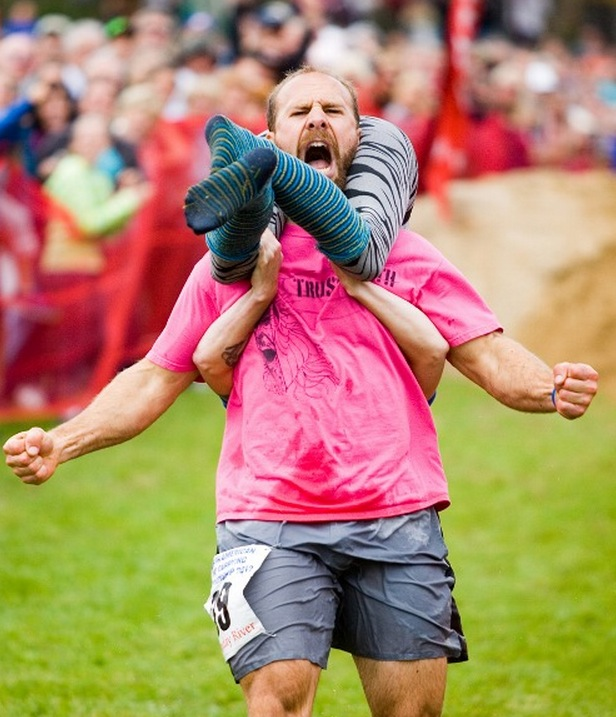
<point x="541" y="248"/>
<point x="577" y="318"/>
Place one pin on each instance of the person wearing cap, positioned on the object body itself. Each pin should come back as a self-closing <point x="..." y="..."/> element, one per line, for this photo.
<point x="330" y="482"/>
<point x="282" y="36"/>
<point x="120" y="33"/>
<point x="52" y="25"/>
<point x="277" y="34"/>
<point x="49" y="33"/>
<point x="195" y="58"/>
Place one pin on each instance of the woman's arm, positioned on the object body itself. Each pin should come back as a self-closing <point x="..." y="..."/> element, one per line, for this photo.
<point x="222" y="344"/>
<point x="419" y="340"/>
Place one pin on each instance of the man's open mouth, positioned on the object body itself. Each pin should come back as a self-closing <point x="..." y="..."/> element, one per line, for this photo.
<point x="317" y="154"/>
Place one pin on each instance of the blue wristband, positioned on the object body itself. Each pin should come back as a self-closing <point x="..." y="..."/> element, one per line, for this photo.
<point x="554" y="397"/>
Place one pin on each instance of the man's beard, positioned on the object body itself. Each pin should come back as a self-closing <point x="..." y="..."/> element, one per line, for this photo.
<point x="343" y="163"/>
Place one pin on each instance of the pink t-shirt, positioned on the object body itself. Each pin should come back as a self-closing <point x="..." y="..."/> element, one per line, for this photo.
<point x="326" y="420"/>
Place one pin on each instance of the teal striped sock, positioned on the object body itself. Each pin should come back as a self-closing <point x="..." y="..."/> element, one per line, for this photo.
<point x="212" y="202"/>
<point x="235" y="244"/>
<point x="305" y="195"/>
<point x="228" y="141"/>
<point x="314" y="202"/>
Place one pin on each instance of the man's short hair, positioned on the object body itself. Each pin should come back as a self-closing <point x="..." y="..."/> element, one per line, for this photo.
<point x="272" y="109"/>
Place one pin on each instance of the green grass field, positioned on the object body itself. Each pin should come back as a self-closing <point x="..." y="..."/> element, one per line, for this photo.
<point x="103" y="571"/>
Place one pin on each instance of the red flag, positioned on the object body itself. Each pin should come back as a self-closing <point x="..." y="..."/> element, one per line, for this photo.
<point x="447" y="155"/>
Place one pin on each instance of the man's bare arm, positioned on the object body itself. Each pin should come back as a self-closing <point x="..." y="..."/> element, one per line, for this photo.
<point x="517" y="378"/>
<point x="130" y="403"/>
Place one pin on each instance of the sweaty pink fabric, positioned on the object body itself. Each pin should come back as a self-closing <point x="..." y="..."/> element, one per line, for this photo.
<point x="326" y="420"/>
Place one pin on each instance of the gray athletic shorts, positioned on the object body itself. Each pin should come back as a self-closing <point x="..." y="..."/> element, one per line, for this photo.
<point x="379" y="589"/>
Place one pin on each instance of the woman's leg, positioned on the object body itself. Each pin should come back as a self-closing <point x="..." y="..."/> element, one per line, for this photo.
<point x="381" y="185"/>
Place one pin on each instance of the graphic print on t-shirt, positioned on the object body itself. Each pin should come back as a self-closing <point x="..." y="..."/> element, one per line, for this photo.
<point x="291" y="361"/>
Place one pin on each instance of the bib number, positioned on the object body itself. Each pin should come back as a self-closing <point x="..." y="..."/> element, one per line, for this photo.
<point x="236" y="622"/>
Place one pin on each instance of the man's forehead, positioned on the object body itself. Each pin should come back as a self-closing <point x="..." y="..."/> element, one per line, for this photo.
<point x="314" y="87"/>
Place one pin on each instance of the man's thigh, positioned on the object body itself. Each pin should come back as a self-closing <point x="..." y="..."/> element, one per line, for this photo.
<point x="404" y="689"/>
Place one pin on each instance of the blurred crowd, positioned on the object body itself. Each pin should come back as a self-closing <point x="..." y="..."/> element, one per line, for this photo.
<point x="554" y="100"/>
<point x="99" y="115"/>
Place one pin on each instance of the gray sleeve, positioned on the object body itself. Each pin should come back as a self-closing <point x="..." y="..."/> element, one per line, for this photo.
<point x="381" y="186"/>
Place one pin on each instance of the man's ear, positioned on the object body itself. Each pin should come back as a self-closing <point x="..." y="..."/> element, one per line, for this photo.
<point x="270" y="135"/>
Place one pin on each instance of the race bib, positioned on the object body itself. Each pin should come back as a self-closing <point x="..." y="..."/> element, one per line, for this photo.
<point x="235" y="620"/>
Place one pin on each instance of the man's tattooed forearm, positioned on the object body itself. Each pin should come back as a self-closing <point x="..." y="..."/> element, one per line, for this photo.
<point x="231" y="355"/>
